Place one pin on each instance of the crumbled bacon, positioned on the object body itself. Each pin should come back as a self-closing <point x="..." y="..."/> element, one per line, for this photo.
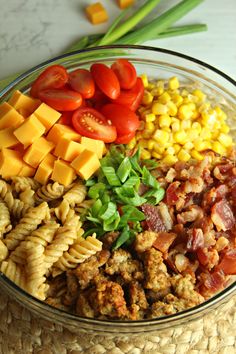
<point x="195" y="239"/>
<point x="228" y="262"/>
<point x="172" y="193"/>
<point x="164" y="240"/>
<point x="222" y="216"/>
<point x="153" y="220"/>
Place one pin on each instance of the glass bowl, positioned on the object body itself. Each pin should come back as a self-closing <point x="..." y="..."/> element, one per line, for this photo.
<point x="156" y="63"/>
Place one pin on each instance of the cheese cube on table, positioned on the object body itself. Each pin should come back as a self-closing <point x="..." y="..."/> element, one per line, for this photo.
<point x="68" y="150"/>
<point x="37" y="151"/>
<point x="47" y="115"/>
<point x="29" y="131"/>
<point x="45" y="169"/>
<point x="86" y="164"/>
<point x="10" y="163"/>
<point x="59" y="131"/>
<point x="96" y="13"/>
<point x="9" y="117"/>
<point x="7" y="138"/>
<point x="63" y="173"/>
<point x="21" y="101"/>
<point x="94" y="145"/>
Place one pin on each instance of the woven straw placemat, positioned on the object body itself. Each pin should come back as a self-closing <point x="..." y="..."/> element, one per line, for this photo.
<point x="21" y="332"/>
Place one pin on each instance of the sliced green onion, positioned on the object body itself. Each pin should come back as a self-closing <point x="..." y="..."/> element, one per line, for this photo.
<point x="95" y="191"/>
<point x="123" y="237"/>
<point x="107" y="211"/>
<point x="96" y="207"/>
<point x="124" y="169"/>
<point x="112" y="223"/>
<point x="133" y="182"/>
<point x="154" y="196"/>
<point x="111" y="176"/>
<point x="149" y="180"/>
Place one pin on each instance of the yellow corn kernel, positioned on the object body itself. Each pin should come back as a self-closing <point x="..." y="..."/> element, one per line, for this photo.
<point x="225" y="140"/>
<point x="139" y="135"/>
<point x="192" y="134"/>
<point x="201" y="145"/>
<point x="145" y="154"/>
<point x="159" y="149"/>
<point x="218" y="148"/>
<point x="214" y="134"/>
<point x="150" y="86"/>
<point x="188" y="146"/>
<point x="180" y="137"/>
<point x="204" y="107"/>
<point x="185" y="124"/>
<point x="196" y="155"/>
<point x="200" y="95"/>
<point x="173" y="83"/>
<point x="150" y="117"/>
<point x="224" y="128"/>
<point x="157" y="91"/>
<point x="144" y="80"/>
<point x="151" y="144"/>
<point x="143" y="143"/>
<point x="147" y="98"/>
<point x="205" y="133"/>
<point x="159" y="108"/>
<point x="170" y="151"/>
<point x="149" y="127"/>
<point x="221" y="114"/>
<point x="132" y="143"/>
<point x="175" y="126"/>
<point x="208" y="118"/>
<point x="164" y="98"/>
<point x="156" y="155"/>
<point x="197" y="127"/>
<point x="183" y="155"/>
<point x="161" y="136"/>
<point x="164" y="121"/>
<point x="177" y="148"/>
<point x="172" y="108"/>
<point x="169" y="160"/>
<point x="184" y="111"/>
<point x="177" y="99"/>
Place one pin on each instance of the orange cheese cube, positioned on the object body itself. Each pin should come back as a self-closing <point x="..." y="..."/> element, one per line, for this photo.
<point x="47" y="115"/>
<point x="63" y="173"/>
<point x="21" y="101"/>
<point x="24" y="112"/>
<point x="96" y="13"/>
<point x="10" y="163"/>
<point x="86" y="164"/>
<point x="9" y="117"/>
<point x="60" y="131"/>
<point x="67" y="149"/>
<point x="94" y="145"/>
<point x="26" y="171"/>
<point x="37" y="151"/>
<point x="45" y="169"/>
<point x="29" y="131"/>
<point x="7" y="138"/>
<point x="124" y="3"/>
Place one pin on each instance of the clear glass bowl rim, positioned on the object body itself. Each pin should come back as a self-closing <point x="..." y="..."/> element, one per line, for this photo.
<point x="111" y="326"/>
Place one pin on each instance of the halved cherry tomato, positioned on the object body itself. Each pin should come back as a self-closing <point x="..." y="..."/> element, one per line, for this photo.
<point x="92" y="124"/>
<point x="126" y="73"/>
<point x="106" y="80"/>
<point x="81" y="80"/>
<point x="125" y="139"/>
<point x="133" y="97"/>
<point x="125" y="120"/>
<point x="61" y="99"/>
<point x="55" y="76"/>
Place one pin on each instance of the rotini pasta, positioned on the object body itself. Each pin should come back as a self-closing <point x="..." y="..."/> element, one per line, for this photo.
<point x="27" y="196"/>
<point x="4" y="188"/>
<point x="21" y="183"/>
<point x="26" y="225"/>
<point x="16" y="206"/>
<point x="5" y="220"/>
<point x="64" y="212"/>
<point x="75" y="195"/>
<point x="3" y="251"/>
<point x="81" y="250"/>
<point x="14" y="272"/>
<point x="49" y="192"/>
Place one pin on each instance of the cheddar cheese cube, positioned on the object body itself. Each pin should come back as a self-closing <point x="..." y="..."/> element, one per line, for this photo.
<point x="27" y="170"/>
<point x="10" y="163"/>
<point x="47" y="115"/>
<point x="68" y="150"/>
<point x="96" y="13"/>
<point x="86" y="164"/>
<point x="124" y="3"/>
<point x="24" y="112"/>
<point x="94" y="145"/>
<point x="45" y="169"/>
<point x="59" y="131"/>
<point x="9" y="117"/>
<point x="37" y="151"/>
<point x="7" y="138"/>
<point x="63" y="173"/>
<point x="29" y="131"/>
<point x="21" y="101"/>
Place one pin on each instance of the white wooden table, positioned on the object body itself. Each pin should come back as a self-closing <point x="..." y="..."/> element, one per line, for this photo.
<point x="32" y="31"/>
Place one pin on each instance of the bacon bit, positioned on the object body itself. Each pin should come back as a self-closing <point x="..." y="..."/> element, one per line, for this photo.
<point x="153" y="218"/>
<point x="212" y="282"/>
<point x="181" y="262"/>
<point x="228" y="263"/>
<point x="194" y="213"/>
<point x="202" y="256"/>
<point x="164" y="240"/>
<point x="171" y="193"/>
<point x="222" y="216"/>
<point x="195" y="239"/>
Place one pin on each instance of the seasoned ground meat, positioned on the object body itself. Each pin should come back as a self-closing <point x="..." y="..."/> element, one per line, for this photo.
<point x="137" y="300"/>
<point x="144" y="241"/>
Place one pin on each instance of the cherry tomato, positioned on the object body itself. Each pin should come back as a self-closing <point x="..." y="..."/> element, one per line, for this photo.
<point x="55" y="76"/>
<point x="126" y="73"/>
<point x="66" y="118"/>
<point x="61" y="99"/>
<point x="133" y="97"/>
<point x="125" y="120"/>
<point x="99" y="99"/>
<point x="106" y="80"/>
<point x="125" y="139"/>
<point x="92" y="124"/>
<point x="81" y="80"/>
